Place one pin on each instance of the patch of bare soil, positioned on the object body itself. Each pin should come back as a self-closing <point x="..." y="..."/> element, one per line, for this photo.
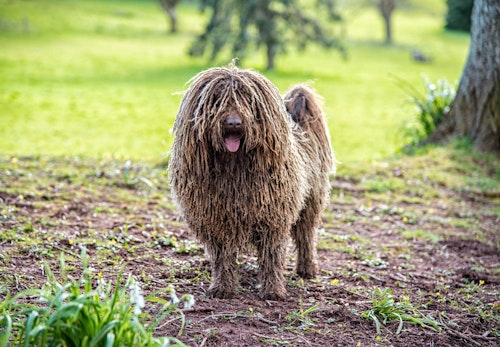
<point x="435" y="245"/>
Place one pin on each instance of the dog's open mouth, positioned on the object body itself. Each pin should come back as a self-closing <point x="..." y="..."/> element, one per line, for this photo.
<point x="232" y="141"/>
<point x="233" y="133"/>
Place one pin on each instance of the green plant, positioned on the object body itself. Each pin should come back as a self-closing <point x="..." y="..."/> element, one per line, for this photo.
<point x="72" y="313"/>
<point x="386" y="310"/>
<point x="431" y="108"/>
<point x="301" y="317"/>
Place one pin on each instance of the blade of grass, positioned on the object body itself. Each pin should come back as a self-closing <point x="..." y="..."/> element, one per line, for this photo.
<point x="30" y="322"/>
<point x="6" y="324"/>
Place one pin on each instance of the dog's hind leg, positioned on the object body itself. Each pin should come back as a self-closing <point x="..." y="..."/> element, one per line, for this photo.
<point x="224" y="272"/>
<point x="304" y="235"/>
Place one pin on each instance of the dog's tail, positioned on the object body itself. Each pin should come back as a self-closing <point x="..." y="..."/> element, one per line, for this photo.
<point x="304" y="106"/>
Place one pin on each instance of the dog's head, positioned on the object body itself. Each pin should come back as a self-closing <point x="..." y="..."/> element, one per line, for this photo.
<point x="232" y="110"/>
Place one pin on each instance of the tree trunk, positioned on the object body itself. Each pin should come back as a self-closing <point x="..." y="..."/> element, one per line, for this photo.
<point x="169" y="7"/>
<point x="475" y="112"/>
<point x="270" y="53"/>
<point x="173" y="20"/>
<point x="386" y="8"/>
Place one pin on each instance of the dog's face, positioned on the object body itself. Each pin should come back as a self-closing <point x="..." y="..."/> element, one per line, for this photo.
<point x="234" y="111"/>
<point x="233" y="130"/>
<point x="230" y="127"/>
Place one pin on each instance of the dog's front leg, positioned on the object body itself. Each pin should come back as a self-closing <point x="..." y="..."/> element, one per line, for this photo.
<point x="224" y="275"/>
<point x="272" y="259"/>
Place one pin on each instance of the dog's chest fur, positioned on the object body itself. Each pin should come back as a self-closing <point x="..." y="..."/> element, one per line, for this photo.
<point x="246" y="195"/>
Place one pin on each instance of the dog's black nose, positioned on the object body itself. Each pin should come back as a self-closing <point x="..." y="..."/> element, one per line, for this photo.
<point x="233" y="122"/>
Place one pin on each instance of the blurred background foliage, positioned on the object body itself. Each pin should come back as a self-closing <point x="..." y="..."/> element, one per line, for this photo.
<point x="101" y="78"/>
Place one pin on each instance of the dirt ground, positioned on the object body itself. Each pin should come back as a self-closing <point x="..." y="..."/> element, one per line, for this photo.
<point x="427" y="227"/>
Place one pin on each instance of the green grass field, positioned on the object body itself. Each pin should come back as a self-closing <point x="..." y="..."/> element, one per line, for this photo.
<point x="98" y="78"/>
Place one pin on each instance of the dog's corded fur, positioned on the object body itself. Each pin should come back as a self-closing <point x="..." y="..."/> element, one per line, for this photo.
<point x="250" y="167"/>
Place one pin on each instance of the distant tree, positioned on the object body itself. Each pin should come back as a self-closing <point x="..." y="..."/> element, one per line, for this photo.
<point x="273" y="24"/>
<point x="458" y="15"/>
<point x="475" y="111"/>
<point x="169" y="7"/>
<point x="386" y="8"/>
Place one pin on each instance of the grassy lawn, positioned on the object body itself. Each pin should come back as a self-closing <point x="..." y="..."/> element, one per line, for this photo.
<point x="99" y="78"/>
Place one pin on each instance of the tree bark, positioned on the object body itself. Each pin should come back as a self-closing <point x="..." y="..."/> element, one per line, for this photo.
<point x="475" y="111"/>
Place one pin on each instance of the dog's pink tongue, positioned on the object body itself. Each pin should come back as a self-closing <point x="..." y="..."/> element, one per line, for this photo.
<point x="232" y="143"/>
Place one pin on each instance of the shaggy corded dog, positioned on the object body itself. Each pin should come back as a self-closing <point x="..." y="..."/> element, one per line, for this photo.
<point x="249" y="167"/>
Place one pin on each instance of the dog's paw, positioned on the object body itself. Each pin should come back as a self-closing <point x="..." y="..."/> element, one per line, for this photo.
<point x="220" y="293"/>
<point x="274" y="295"/>
<point x="307" y="272"/>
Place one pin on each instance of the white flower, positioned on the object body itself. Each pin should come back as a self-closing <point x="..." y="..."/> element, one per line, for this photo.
<point x="189" y="302"/>
<point x="101" y="288"/>
<point x="173" y="296"/>
<point x="136" y="298"/>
